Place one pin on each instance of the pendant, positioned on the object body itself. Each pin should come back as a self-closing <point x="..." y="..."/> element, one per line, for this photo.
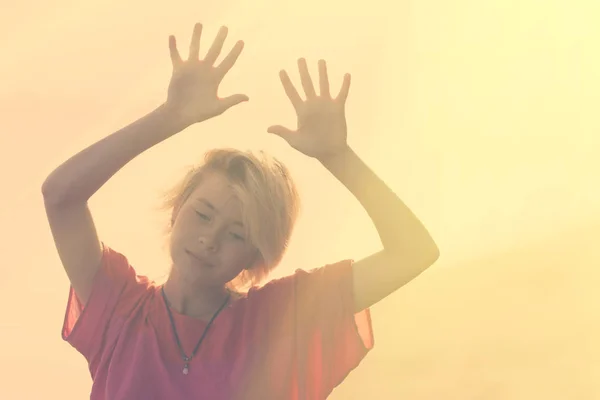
<point x="186" y="369"/>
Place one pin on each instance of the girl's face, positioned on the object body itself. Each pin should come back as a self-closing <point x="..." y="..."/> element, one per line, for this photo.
<point x="208" y="245"/>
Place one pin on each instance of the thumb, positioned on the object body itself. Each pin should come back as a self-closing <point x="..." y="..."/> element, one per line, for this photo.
<point x="281" y="131"/>
<point x="233" y="100"/>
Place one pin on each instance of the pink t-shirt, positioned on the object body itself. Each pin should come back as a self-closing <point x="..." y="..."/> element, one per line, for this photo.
<point x="296" y="337"/>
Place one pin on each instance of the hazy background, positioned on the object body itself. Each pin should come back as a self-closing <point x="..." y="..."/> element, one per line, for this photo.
<point x="480" y="114"/>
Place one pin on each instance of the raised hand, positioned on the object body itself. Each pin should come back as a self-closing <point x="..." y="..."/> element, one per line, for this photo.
<point x="321" y="129"/>
<point x="193" y="90"/>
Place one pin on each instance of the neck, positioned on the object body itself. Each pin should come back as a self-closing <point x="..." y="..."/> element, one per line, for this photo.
<point x="193" y="301"/>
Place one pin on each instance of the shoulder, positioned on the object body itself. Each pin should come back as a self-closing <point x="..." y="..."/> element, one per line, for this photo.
<point x="304" y="289"/>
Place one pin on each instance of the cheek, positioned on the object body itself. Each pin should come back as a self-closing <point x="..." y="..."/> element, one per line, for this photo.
<point x="177" y="238"/>
<point x="174" y="237"/>
<point x="236" y="255"/>
<point x="184" y="228"/>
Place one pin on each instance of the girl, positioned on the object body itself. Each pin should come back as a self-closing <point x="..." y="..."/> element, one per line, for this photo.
<point x="200" y="335"/>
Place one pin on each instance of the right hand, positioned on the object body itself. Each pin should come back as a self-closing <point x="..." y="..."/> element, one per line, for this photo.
<point x="192" y="94"/>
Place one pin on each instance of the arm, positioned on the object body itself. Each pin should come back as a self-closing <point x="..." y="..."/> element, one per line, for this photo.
<point x="78" y="178"/>
<point x="408" y="249"/>
<point x="67" y="190"/>
<point x="322" y="134"/>
<point x="191" y="98"/>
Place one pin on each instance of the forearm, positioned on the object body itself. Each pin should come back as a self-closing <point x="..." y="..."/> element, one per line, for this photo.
<point x="78" y="178"/>
<point x="399" y="229"/>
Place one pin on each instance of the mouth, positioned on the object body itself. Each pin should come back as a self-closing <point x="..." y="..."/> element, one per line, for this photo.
<point x="200" y="259"/>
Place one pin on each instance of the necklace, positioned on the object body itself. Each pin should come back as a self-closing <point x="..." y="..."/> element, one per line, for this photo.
<point x="188" y="359"/>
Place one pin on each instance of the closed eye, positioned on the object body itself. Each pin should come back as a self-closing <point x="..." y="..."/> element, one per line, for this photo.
<point x="237" y="237"/>
<point x="203" y="216"/>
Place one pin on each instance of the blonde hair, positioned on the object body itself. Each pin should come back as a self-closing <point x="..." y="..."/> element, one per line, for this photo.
<point x="269" y="200"/>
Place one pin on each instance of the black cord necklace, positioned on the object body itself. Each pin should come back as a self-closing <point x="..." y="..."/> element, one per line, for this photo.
<point x="186" y="359"/>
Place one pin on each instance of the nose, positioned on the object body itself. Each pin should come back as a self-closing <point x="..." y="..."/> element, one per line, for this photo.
<point x="208" y="242"/>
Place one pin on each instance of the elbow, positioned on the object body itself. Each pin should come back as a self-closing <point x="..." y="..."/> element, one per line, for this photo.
<point x="47" y="192"/>
<point x="435" y="256"/>
<point x="430" y="250"/>
<point x="428" y="256"/>
<point x="434" y="252"/>
<point x="51" y="194"/>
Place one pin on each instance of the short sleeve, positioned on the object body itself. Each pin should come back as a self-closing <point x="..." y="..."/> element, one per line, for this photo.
<point x="116" y="288"/>
<point x="313" y="329"/>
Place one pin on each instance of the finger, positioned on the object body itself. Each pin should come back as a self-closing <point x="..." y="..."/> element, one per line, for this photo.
<point x="283" y="132"/>
<point x="233" y="100"/>
<point x="195" y="43"/>
<point x="307" y="84"/>
<point x="323" y="79"/>
<point x="231" y="58"/>
<point x="290" y="90"/>
<point x="215" y="49"/>
<point x="175" y="57"/>
<point x="343" y="95"/>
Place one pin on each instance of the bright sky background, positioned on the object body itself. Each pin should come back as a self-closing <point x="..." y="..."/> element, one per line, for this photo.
<point x="482" y="116"/>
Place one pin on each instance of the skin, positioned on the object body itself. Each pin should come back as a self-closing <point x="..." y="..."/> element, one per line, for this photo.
<point x="208" y="225"/>
<point x="321" y="133"/>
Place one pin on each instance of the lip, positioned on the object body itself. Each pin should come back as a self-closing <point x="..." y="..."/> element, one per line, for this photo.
<point x="202" y="260"/>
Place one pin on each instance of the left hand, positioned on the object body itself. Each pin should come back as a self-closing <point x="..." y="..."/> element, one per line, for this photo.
<point x="321" y="131"/>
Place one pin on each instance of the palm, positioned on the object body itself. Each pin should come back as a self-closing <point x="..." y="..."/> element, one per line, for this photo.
<point x="321" y="127"/>
<point x="193" y="90"/>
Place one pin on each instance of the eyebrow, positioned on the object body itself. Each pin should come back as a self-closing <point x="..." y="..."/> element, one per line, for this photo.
<point x="212" y="207"/>
<point x="207" y="203"/>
